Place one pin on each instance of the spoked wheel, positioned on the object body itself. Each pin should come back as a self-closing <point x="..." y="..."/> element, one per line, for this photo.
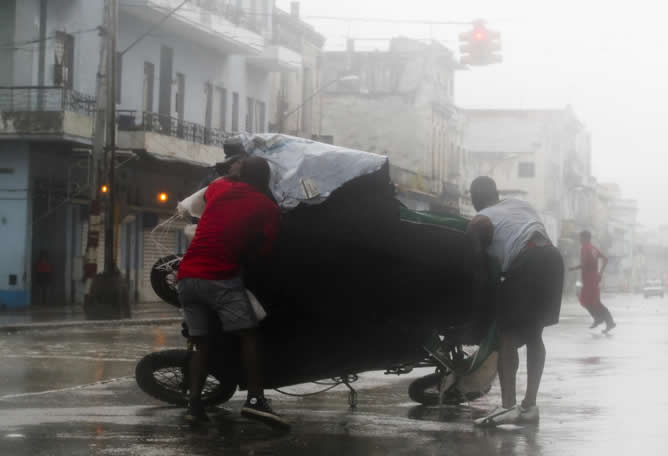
<point x="163" y="279"/>
<point x="426" y="390"/>
<point x="163" y="375"/>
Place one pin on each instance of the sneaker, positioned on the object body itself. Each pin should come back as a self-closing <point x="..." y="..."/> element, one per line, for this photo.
<point x="258" y="408"/>
<point x="500" y="416"/>
<point x="595" y="324"/>
<point x="529" y="415"/>
<point x="196" y="413"/>
<point x="609" y="327"/>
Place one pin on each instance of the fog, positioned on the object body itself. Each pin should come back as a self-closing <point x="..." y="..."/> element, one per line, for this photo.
<point x="603" y="58"/>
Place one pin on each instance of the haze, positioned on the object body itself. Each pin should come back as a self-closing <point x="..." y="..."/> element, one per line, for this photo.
<point x="604" y="58"/>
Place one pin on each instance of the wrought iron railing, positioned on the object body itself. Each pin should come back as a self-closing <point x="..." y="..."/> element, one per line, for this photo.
<point x="170" y="126"/>
<point x="45" y="99"/>
<point x="228" y="10"/>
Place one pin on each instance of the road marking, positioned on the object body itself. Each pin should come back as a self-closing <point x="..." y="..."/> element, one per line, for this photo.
<point x="83" y="358"/>
<point x="65" y="390"/>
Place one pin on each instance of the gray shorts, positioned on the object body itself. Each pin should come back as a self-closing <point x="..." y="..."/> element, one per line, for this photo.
<point x="203" y="299"/>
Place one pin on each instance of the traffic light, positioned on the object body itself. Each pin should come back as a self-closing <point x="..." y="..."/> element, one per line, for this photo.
<point x="163" y="197"/>
<point x="480" y="46"/>
<point x="104" y="189"/>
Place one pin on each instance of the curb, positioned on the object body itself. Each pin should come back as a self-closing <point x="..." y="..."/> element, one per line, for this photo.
<point x="89" y="324"/>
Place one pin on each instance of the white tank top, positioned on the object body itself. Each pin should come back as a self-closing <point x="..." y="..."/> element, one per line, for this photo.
<point x="515" y="222"/>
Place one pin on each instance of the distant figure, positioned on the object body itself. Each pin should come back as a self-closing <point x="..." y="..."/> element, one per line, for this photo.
<point x="43" y="276"/>
<point x="590" y="295"/>
<point x="528" y="297"/>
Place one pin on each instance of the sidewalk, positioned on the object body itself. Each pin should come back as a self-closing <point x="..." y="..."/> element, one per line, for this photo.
<point x="72" y="316"/>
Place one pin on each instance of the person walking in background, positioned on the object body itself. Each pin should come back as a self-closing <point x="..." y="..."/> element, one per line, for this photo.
<point x="43" y="276"/>
<point x="590" y="295"/>
<point x="528" y="298"/>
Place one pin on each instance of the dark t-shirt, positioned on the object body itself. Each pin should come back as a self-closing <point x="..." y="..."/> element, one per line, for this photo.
<point x="235" y="219"/>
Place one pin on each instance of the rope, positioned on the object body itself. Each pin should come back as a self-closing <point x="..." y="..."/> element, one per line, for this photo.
<point x="158" y="236"/>
<point x="336" y="382"/>
<point x="308" y="394"/>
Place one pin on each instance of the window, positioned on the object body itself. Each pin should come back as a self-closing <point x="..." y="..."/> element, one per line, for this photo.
<point x="166" y="89"/>
<point x="119" y="76"/>
<point x="220" y="108"/>
<point x="527" y="169"/>
<point x="307" y="94"/>
<point x="208" y="110"/>
<point x="235" y="111"/>
<point x="147" y="91"/>
<point x="260" y="114"/>
<point x="250" y="104"/>
<point x="179" y="103"/>
<point x="180" y="95"/>
<point x="63" y="69"/>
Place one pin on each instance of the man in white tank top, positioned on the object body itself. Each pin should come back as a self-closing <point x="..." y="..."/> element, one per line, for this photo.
<point x="528" y="297"/>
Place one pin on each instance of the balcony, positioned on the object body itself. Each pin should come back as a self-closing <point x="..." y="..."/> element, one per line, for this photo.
<point x="46" y="113"/>
<point x="170" y="137"/>
<point x="278" y="58"/>
<point x="217" y="25"/>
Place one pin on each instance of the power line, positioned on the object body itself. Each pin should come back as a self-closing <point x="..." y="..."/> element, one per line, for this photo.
<point x="21" y="45"/>
<point x="255" y="12"/>
<point x="387" y="20"/>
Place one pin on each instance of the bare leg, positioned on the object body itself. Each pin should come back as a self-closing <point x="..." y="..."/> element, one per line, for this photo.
<point x="199" y="367"/>
<point x="507" y="366"/>
<point x="251" y="356"/>
<point x="535" y="365"/>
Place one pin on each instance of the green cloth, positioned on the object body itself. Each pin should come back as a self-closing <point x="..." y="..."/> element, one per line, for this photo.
<point x="450" y="221"/>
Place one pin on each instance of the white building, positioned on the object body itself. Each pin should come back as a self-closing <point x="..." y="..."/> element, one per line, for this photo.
<point x="617" y="237"/>
<point x="204" y="73"/>
<point x="399" y="103"/>
<point x="295" y="103"/>
<point x="540" y="155"/>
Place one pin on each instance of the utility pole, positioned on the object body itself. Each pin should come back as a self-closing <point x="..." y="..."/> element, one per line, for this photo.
<point x="110" y="149"/>
<point x="108" y="295"/>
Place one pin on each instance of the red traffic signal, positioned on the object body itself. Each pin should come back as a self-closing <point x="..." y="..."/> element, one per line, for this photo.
<point x="479" y="46"/>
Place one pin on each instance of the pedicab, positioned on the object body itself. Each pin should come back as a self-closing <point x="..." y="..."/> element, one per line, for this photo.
<point x="357" y="282"/>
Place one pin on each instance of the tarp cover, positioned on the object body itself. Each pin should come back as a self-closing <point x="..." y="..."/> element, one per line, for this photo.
<point x="305" y="171"/>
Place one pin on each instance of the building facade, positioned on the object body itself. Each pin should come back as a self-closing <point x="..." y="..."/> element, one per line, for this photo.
<point x="399" y="103"/>
<point x="617" y="237"/>
<point x="541" y="155"/>
<point x="202" y="75"/>
<point x="295" y="106"/>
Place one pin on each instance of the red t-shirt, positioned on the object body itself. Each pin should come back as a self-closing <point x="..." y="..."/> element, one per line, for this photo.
<point x="589" y="256"/>
<point x="236" y="218"/>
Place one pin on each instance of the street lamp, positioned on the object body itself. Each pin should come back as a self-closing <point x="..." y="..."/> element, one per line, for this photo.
<point x="347" y="78"/>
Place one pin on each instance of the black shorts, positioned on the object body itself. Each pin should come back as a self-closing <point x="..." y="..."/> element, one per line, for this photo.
<point x="530" y="294"/>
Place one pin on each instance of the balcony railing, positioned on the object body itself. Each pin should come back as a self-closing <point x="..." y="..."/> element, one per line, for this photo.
<point x="45" y="99"/>
<point x="170" y="126"/>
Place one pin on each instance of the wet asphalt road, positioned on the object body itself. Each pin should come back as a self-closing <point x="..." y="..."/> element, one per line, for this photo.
<point x="70" y="392"/>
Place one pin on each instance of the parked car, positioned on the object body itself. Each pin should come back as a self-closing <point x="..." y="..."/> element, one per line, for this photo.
<point x="653" y="288"/>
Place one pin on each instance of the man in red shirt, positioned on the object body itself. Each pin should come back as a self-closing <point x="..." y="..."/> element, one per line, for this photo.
<point x="590" y="295"/>
<point x="239" y="222"/>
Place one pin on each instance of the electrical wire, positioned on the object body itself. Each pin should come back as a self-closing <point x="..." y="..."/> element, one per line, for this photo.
<point x="21" y="45"/>
<point x="252" y="12"/>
